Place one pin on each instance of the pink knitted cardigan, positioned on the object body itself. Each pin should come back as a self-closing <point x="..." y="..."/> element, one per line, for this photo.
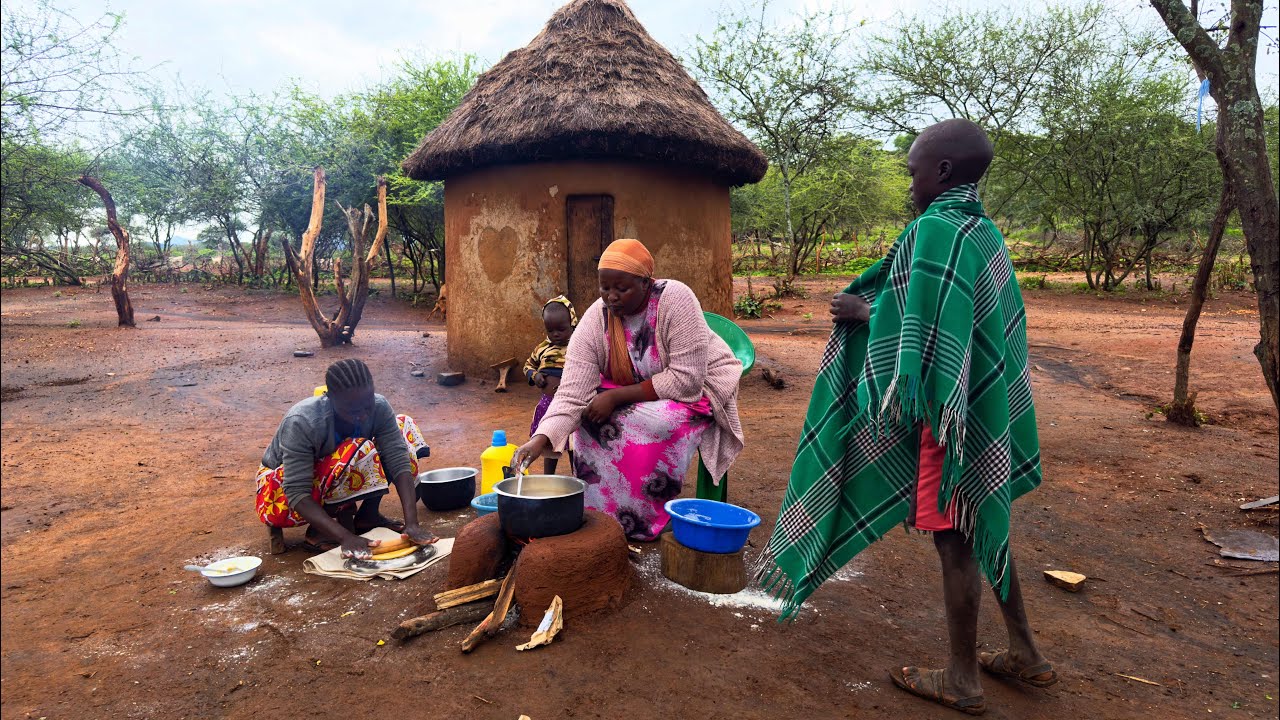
<point x="697" y="362"/>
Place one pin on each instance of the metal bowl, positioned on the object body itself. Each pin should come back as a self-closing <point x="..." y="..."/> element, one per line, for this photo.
<point x="447" y="488"/>
<point x="232" y="571"/>
<point x="541" y="505"/>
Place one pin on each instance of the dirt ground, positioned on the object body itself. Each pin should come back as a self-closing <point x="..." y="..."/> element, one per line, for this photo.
<point x="129" y="453"/>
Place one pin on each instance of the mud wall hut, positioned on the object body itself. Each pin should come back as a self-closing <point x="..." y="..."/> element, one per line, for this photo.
<point x="590" y="133"/>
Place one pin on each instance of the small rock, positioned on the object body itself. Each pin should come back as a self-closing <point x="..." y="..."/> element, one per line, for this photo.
<point x="302" y="353"/>
<point x="1065" y="579"/>
<point x="449" y="379"/>
<point x="426" y="334"/>
<point x="417" y="373"/>
<point x="154" y="319"/>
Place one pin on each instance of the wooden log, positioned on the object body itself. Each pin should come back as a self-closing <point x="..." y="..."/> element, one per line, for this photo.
<point x="1065" y="579"/>
<point x="441" y="619"/>
<point x="470" y="593"/>
<point x="493" y="622"/>
<point x="276" y="540"/>
<point x="721" y="573"/>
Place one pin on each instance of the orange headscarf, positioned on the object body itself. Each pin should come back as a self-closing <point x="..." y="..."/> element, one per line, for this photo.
<point x="632" y="257"/>
<point x="628" y="256"/>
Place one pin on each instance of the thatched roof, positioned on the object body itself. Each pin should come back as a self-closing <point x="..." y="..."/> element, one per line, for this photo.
<point x="592" y="84"/>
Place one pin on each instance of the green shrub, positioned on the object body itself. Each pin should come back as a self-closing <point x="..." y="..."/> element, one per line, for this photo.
<point x="748" y="306"/>
<point x="1033" y="282"/>
<point x="859" y="265"/>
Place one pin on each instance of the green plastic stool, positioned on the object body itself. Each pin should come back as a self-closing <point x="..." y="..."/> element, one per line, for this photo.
<point x="745" y="351"/>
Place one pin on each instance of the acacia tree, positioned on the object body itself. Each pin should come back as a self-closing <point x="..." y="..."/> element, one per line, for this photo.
<point x="120" y="273"/>
<point x="1231" y="71"/>
<point x="994" y="69"/>
<point x="57" y="76"/>
<point x="791" y="87"/>
<point x="852" y="186"/>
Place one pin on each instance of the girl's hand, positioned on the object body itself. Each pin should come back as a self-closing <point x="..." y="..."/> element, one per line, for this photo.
<point x="356" y="547"/>
<point x="531" y="450"/>
<point x="601" y="407"/>
<point x="539" y="380"/>
<point x="419" y="535"/>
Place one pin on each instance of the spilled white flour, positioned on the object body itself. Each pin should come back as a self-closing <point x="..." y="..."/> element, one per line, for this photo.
<point x="752" y="598"/>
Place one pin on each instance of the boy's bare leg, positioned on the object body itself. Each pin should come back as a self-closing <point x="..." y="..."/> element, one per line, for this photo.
<point x="962" y="590"/>
<point x="1023" y="652"/>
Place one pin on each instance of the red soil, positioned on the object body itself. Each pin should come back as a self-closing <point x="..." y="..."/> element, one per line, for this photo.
<point x="128" y="453"/>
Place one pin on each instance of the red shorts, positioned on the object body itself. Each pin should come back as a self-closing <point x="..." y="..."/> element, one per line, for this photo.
<point x="924" y="510"/>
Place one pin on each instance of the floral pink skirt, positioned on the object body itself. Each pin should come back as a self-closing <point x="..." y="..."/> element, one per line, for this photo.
<point x="634" y="463"/>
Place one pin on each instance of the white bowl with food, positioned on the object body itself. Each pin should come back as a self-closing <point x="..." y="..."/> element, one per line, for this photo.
<point x="230" y="572"/>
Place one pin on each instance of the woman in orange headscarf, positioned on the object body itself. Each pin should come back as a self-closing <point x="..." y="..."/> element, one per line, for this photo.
<point x="646" y="384"/>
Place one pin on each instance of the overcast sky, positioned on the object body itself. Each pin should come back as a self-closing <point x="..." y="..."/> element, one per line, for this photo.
<point x="335" y="46"/>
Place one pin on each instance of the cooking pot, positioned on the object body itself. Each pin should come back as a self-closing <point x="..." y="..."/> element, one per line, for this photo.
<point x="537" y="506"/>
<point x="447" y="488"/>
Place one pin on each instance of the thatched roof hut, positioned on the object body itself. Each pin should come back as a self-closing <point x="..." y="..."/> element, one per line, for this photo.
<point x="592" y="85"/>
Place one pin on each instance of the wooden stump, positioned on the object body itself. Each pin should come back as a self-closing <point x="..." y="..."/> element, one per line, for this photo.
<point x="588" y="569"/>
<point x="721" y="573"/>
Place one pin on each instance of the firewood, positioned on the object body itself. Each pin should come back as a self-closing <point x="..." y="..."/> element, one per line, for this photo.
<point x="1065" y="579"/>
<point x="491" y="624"/>
<point x="441" y="619"/>
<point x="470" y="593"/>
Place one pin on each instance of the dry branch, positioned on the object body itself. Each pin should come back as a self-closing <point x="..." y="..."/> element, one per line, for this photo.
<point x="441" y="619"/>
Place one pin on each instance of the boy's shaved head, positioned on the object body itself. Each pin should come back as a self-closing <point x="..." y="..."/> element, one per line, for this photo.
<point x="950" y="153"/>
<point x="962" y="142"/>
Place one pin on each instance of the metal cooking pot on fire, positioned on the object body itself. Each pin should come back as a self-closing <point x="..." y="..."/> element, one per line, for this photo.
<point x="537" y="506"/>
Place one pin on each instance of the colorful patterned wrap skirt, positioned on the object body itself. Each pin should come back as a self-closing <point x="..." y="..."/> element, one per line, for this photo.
<point x="350" y="472"/>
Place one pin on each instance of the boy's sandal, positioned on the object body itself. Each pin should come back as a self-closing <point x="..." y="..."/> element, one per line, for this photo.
<point x="1037" y="676"/>
<point x="928" y="685"/>
<point x="382" y="521"/>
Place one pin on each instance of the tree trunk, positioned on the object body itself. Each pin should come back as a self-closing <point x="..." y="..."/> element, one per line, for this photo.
<point x="119" y="273"/>
<point x="1182" y="410"/>
<point x="352" y="296"/>
<point x="1242" y="153"/>
<point x="391" y="270"/>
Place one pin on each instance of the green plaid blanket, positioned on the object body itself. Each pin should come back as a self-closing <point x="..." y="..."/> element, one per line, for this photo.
<point x="946" y="345"/>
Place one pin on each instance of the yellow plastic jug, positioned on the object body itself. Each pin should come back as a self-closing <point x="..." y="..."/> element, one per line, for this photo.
<point x="493" y="459"/>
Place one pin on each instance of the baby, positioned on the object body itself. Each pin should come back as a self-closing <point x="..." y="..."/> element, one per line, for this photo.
<point x="546" y="364"/>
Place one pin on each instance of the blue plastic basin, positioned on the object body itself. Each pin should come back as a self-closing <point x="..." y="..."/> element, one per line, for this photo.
<point x="709" y="525"/>
<point x="485" y="504"/>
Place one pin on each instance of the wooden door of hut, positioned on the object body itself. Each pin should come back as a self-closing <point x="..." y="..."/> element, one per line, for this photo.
<point x="589" y="229"/>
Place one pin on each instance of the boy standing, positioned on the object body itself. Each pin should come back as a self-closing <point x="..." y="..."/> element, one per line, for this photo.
<point x="922" y="413"/>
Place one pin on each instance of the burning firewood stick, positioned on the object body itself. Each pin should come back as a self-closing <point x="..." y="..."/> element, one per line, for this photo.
<point x="491" y="624"/>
